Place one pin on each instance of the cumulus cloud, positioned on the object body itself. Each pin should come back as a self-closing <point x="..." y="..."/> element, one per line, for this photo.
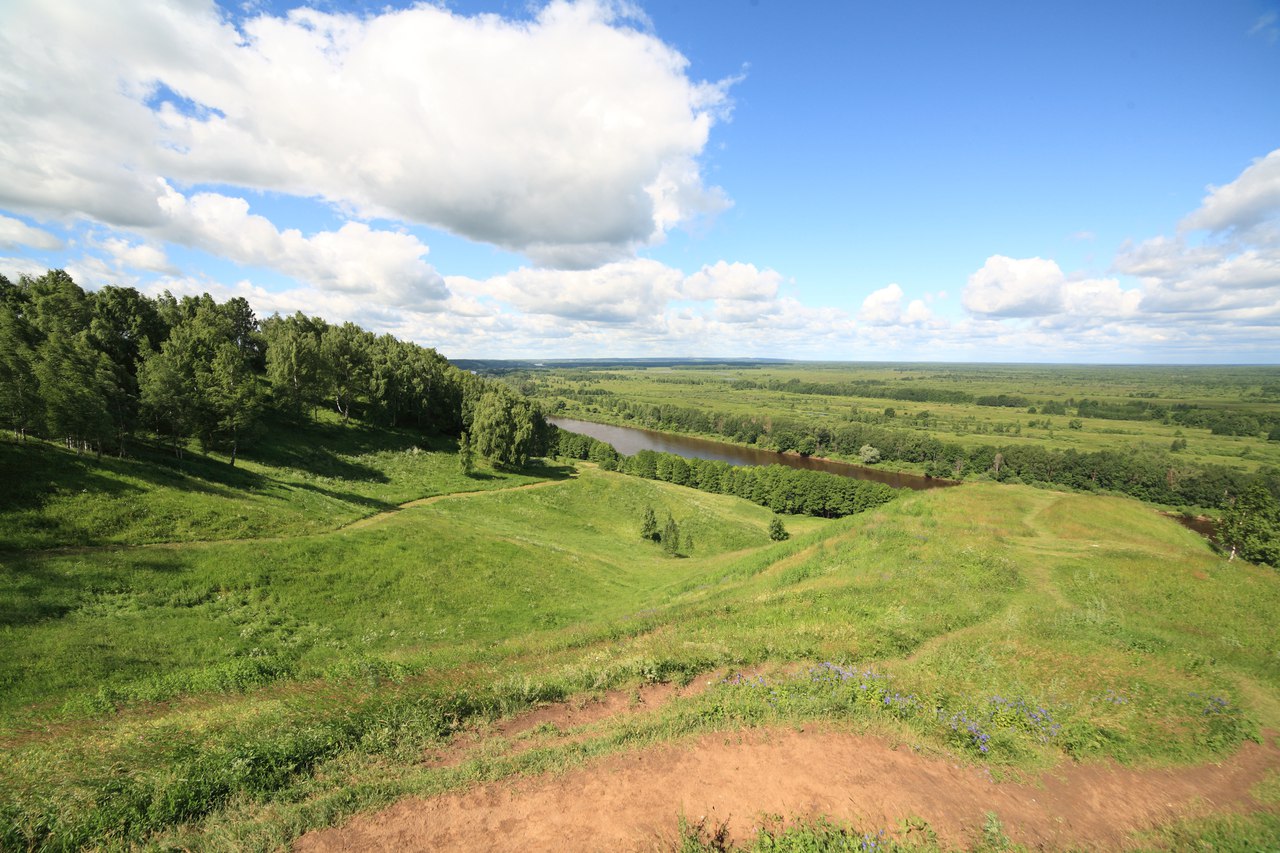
<point x="1247" y="201"/>
<point x="621" y="292"/>
<point x="1211" y="289"/>
<point x="573" y="137"/>
<point x="128" y="255"/>
<point x="739" y="281"/>
<point x="883" y="307"/>
<point x="1038" y="288"/>
<point x="15" y="233"/>
<point x="1014" y="287"/>
<point x="384" y="265"/>
<point x="1224" y="263"/>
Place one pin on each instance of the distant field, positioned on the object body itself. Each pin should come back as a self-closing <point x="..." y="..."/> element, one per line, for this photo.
<point x="830" y="399"/>
<point x="233" y="694"/>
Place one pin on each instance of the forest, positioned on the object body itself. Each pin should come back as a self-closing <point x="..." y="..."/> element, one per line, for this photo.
<point x="98" y="370"/>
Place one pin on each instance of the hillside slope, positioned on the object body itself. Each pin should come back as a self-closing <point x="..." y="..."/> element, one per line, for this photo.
<point x="236" y="693"/>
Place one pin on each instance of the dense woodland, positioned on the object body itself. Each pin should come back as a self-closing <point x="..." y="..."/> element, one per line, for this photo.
<point x="99" y="370"/>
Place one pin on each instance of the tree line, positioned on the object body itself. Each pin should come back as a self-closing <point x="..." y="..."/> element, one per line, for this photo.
<point x="97" y="369"/>
<point x="784" y="490"/>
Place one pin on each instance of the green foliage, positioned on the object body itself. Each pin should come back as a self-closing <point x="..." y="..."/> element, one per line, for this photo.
<point x="236" y="693"/>
<point x="466" y="455"/>
<point x="90" y="369"/>
<point x="777" y="532"/>
<point x="345" y="357"/>
<point x="506" y="430"/>
<point x="1251" y="526"/>
<point x="780" y="488"/>
<point x="293" y="361"/>
<point x="649" y="525"/>
<point x="670" y="537"/>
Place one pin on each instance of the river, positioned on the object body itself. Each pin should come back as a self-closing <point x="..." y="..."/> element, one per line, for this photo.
<point x="629" y="440"/>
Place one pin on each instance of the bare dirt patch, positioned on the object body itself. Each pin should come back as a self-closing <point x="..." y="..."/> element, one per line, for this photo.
<point x="563" y="718"/>
<point x="632" y="801"/>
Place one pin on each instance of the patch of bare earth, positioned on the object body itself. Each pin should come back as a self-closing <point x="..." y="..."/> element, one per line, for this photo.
<point x="562" y="719"/>
<point x="632" y="801"/>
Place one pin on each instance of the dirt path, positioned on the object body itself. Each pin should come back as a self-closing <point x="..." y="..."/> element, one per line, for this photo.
<point x="379" y="517"/>
<point x="632" y="801"/>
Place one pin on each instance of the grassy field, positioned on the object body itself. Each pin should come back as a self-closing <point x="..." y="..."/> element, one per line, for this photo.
<point x="763" y="391"/>
<point x="232" y="694"/>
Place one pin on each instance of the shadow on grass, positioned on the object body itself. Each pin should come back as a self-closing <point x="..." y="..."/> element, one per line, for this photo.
<point x="324" y="449"/>
<point x="549" y="470"/>
<point x="348" y="497"/>
<point x="40" y="587"/>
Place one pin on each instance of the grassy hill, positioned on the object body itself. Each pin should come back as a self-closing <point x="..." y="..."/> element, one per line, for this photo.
<point x="198" y="656"/>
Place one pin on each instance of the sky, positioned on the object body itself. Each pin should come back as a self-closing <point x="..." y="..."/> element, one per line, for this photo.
<point x="916" y="181"/>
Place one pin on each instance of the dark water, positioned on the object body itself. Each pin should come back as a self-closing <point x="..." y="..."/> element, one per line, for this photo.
<point x="1204" y="526"/>
<point x="628" y="440"/>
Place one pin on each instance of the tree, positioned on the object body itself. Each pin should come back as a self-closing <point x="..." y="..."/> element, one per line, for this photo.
<point x="869" y="455"/>
<point x="294" y="366"/>
<point x="233" y="394"/>
<point x="466" y="456"/>
<point x="502" y="427"/>
<point x="1251" y="526"/>
<point x="164" y="392"/>
<point x="649" y="525"/>
<point x="201" y="382"/>
<point x="777" y="532"/>
<point x="20" y="403"/>
<point x="345" y="355"/>
<point x="671" y="537"/>
<point x="76" y="383"/>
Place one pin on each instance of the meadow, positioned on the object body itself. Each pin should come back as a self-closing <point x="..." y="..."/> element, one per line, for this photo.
<point x="1138" y="409"/>
<point x="195" y="656"/>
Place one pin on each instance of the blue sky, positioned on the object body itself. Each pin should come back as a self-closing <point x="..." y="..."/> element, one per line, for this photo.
<point x="932" y="181"/>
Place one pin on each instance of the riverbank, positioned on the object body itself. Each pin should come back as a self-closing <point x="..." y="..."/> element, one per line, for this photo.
<point x="631" y="440"/>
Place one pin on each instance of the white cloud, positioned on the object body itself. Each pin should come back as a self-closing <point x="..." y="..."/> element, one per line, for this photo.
<point x="622" y="292"/>
<point x="1097" y="298"/>
<point x="882" y="307"/>
<point x="12" y="267"/>
<point x="137" y="256"/>
<point x="15" y="233"/>
<point x="1229" y="275"/>
<point x="1037" y="288"/>
<point x="1014" y="287"/>
<point x="1249" y="200"/>
<point x="572" y="137"/>
<point x="740" y="281"/>
<point x="385" y="266"/>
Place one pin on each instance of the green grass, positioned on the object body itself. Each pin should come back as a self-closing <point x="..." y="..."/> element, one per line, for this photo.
<point x="293" y="481"/>
<point x="233" y="694"/>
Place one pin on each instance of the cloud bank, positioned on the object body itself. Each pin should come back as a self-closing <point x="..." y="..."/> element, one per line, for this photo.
<point x="573" y="137"/>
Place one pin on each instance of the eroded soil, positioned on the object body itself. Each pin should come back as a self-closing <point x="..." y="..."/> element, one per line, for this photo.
<point x="633" y="801"/>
